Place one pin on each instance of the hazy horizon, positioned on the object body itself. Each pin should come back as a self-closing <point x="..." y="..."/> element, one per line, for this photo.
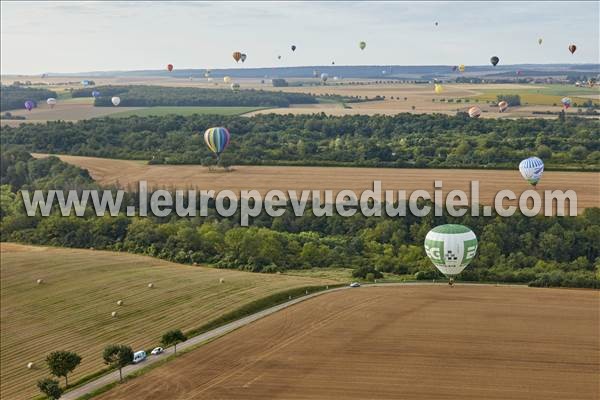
<point x="72" y="37"/>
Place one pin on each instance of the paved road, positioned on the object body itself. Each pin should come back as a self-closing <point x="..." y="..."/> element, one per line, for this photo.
<point x="114" y="376"/>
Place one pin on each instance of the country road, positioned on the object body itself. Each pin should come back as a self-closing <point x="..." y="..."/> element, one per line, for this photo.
<point x="220" y="331"/>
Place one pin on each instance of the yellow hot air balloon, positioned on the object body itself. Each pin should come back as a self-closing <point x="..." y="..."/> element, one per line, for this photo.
<point x="439" y="89"/>
<point x="461" y="67"/>
<point x="226" y="79"/>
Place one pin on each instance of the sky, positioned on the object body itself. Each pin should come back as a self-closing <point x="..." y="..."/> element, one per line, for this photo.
<point x="38" y="37"/>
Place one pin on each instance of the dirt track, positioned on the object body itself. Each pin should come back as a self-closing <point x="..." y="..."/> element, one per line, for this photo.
<point x="263" y="179"/>
<point x="419" y="342"/>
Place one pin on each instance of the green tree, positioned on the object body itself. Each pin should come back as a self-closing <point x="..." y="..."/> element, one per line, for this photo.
<point x="118" y="356"/>
<point x="172" y="337"/>
<point x="62" y="363"/>
<point x="50" y="388"/>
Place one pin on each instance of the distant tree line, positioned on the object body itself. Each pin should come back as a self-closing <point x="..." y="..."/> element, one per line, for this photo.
<point x="151" y="96"/>
<point x="402" y="140"/>
<point x="541" y="251"/>
<point x="13" y="97"/>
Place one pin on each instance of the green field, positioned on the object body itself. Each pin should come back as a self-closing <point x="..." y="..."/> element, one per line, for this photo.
<point x="544" y="95"/>
<point x="71" y="309"/>
<point x="159" y="111"/>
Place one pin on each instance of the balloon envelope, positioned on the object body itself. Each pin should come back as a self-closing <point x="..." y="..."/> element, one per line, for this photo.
<point x="502" y="106"/>
<point x="540" y="40"/>
<point x="451" y="248"/>
<point x="51" y="102"/>
<point x="566" y="102"/>
<point x="324" y="77"/>
<point x="293" y="47"/>
<point x="226" y="79"/>
<point x="362" y="45"/>
<point x="532" y="169"/>
<point x="572" y="48"/>
<point x="235" y="87"/>
<point x="217" y="139"/>
<point x="438" y="88"/>
<point x="29" y="105"/>
<point x="494" y="60"/>
<point x="474" y="112"/>
<point x="116" y="101"/>
<point x="243" y="57"/>
<point x="170" y="67"/>
<point x="237" y="55"/>
<point x="461" y="68"/>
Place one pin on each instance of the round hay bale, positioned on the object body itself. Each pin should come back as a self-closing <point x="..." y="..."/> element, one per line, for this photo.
<point x="221" y="280"/>
<point x="120" y="302"/>
<point x="30" y="365"/>
<point x="151" y="285"/>
<point x="40" y="281"/>
<point x="113" y="314"/>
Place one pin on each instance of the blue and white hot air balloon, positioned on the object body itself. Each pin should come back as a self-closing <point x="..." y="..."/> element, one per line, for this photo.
<point x="532" y="169"/>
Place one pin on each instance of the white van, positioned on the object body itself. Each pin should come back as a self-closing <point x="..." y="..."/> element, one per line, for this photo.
<point x="139" y="356"/>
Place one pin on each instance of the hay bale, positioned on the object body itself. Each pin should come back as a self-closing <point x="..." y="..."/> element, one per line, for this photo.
<point x="151" y="285"/>
<point x="40" y="281"/>
<point x="30" y="365"/>
<point x="113" y="314"/>
<point x="120" y="302"/>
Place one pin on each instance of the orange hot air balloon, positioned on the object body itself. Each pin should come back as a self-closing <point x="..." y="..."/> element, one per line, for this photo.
<point x="474" y="112"/>
<point x="572" y="48"/>
<point x="170" y="67"/>
<point x="237" y="56"/>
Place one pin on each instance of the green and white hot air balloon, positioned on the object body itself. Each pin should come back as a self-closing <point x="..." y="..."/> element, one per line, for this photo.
<point x="451" y="248"/>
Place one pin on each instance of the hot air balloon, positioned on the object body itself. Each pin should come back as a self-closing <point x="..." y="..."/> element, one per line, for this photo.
<point x="235" y="87"/>
<point x="29" y="105"/>
<point x="95" y="93"/>
<point x="293" y="47"/>
<point x="572" y="48"/>
<point x="461" y="68"/>
<point x="217" y="139"/>
<point x="333" y="63"/>
<point x="532" y="169"/>
<point x="243" y="57"/>
<point x="51" y="102"/>
<point x="436" y="23"/>
<point x="494" y="60"/>
<point x="502" y="106"/>
<point x="438" y="89"/>
<point x="324" y="77"/>
<point x="226" y="79"/>
<point x="237" y="55"/>
<point x="474" y="112"/>
<point x="451" y="248"/>
<point x="170" y="67"/>
<point x="566" y="102"/>
<point x="279" y="57"/>
<point x="116" y="101"/>
<point x="362" y="45"/>
<point x="540" y="40"/>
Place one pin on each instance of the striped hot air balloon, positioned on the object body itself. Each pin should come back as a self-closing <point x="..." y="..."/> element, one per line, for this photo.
<point x="217" y="140"/>
<point x="532" y="169"/>
<point x="451" y="248"/>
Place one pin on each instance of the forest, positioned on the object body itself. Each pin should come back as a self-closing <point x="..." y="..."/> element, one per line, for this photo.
<point x="13" y="97"/>
<point x="539" y="251"/>
<point x="151" y="96"/>
<point x="402" y="140"/>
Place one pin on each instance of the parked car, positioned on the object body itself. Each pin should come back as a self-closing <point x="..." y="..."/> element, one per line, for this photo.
<point x="355" y="284"/>
<point x="139" y="356"/>
<point x="157" y="350"/>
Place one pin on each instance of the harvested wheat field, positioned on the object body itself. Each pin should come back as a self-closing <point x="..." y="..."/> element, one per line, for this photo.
<point x="265" y="178"/>
<point x="402" y="342"/>
<point x="71" y="309"/>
